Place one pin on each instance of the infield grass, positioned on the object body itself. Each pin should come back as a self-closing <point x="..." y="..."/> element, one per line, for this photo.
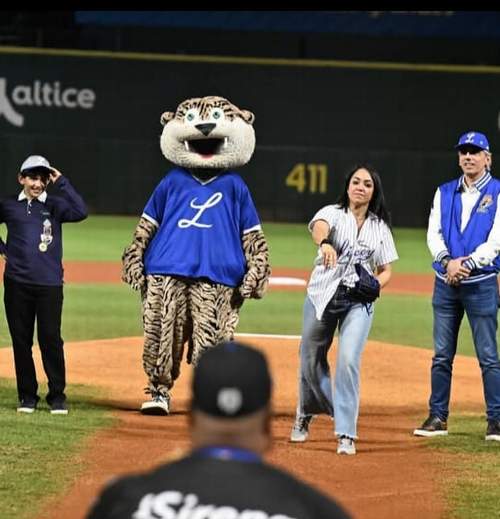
<point x="473" y="482"/>
<point x="40" y="453"/>
<point x="98" y="238"/>
<point x="100" y="311"/>
<point x="399" y="319"/>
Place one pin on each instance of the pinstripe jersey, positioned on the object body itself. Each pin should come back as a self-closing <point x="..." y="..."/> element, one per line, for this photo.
<point x="372" y="247"/>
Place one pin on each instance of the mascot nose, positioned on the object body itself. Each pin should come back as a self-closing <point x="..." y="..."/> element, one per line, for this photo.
<point x="206" y="128"/>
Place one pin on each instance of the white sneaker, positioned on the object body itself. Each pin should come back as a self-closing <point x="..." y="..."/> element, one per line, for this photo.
<point x="300" y="429"/>
<point x="493" y="431"/>
<point x="58" y="408"/>
<point x="158" y="405"/>
<point x="346" y="446"/>
<point x="433" y="426"/>
<point x="27" y="406"/>
<point x="25" y="409"/>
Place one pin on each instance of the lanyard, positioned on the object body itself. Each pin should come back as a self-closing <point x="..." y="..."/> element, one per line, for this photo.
<point x="229" y="453"/>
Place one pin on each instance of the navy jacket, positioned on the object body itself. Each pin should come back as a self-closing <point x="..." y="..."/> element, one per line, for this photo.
<point x="30" y="223"/>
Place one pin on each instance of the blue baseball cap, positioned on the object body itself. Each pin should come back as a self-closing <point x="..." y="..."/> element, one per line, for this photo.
<point x="474" y="139"/>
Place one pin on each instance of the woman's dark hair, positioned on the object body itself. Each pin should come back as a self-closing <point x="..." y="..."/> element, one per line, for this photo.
<point x="377" y="203"/>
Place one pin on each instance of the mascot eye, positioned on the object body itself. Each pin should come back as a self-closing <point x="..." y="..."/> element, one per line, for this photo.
<point x="217" y="114"/>
<point x="191" y="115"/>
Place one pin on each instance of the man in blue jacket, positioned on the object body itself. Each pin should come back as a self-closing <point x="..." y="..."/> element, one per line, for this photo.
<point x="464" y="239"/>
<point x="33" y="277"/>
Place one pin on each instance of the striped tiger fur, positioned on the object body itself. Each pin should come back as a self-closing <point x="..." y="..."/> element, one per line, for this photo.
<point x="132" y="257"/>
<point x="177" y="310"/>
<point x="256" y="279"/>
<point x="204" y="105"/>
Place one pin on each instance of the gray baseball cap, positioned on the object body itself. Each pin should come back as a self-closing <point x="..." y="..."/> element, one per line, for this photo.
<point x="35" y="161"/>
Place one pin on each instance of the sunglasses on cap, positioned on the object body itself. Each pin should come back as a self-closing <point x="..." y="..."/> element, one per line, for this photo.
<point x="472" y="150"/>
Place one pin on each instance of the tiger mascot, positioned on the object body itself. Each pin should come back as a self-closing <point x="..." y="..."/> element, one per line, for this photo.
<point x="198" y="250"/>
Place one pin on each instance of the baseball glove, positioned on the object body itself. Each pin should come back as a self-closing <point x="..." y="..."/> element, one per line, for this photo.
<point x="367" y="288"/>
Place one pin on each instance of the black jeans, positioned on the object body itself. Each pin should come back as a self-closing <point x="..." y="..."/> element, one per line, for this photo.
<point x="23" y="304"/>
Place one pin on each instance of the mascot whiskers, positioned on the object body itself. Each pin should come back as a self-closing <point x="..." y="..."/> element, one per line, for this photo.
<point x="198" y="250"/>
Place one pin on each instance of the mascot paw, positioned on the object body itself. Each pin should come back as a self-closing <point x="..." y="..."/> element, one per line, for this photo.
<point x="254" y="285"/>
<point x="246" y="291"/>
<point x="139" y="284"/>
<point x="253" y="292"/>
<point x="133" y="268"/>
<point x="135" y="278"/>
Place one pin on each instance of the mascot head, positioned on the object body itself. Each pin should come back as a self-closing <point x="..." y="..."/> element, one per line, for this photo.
<point x="208" y="132"/>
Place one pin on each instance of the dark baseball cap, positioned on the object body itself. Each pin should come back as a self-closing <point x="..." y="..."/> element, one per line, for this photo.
<point x="231" y="380"/>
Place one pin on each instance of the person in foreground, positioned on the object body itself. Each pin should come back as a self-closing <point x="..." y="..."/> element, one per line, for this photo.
<point x="463" y="237"/>
<point x="355" y="242"/>
<point x="33" y="278"/>
<point x="224" y="475"/>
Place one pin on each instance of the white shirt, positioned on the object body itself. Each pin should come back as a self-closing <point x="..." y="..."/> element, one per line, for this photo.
<point x="372" y="246"/>
<point x="41" y="198"/>
<point x="484" y="253"/>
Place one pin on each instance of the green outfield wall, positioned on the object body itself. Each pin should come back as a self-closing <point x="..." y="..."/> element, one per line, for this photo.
<point x="96" y="116"/>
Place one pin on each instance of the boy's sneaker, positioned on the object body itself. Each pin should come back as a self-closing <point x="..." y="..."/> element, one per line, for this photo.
<point x="300" y="429"/>
<point x="27" y="405"/>
<point x="346" y="446"/>
<point x="433" y="426"/>
<point x="58" y="407"/>
<point x="493" y="430"/>
<point x="158" y="405"/>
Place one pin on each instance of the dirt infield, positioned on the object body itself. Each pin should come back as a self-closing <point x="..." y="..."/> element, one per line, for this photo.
<point x="389" y="478"/>
<point x="110" y="272"/>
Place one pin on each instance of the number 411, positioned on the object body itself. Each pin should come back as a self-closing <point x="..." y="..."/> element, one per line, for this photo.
<point x="314" y="176"/>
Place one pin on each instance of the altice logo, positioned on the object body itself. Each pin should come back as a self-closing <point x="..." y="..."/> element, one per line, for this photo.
<point x="42" y="94"/>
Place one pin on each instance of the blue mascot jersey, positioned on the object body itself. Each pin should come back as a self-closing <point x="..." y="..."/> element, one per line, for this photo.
<point x="200" y="227"/>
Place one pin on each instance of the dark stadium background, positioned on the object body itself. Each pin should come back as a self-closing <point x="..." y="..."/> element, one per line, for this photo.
<point x="329" y="89"/>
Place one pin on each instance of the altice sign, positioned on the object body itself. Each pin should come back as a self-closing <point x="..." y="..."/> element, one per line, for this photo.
<point x="42" y="94"/>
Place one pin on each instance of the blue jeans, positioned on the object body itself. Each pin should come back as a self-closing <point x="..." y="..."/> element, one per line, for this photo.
<point x="480" y="302"/>
<point x="316" y="395"/>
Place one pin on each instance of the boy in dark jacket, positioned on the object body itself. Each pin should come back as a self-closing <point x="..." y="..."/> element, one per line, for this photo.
<point x="33" y="277"/>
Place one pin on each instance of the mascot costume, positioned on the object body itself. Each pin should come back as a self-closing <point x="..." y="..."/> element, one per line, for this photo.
<point x="198" y="250"/>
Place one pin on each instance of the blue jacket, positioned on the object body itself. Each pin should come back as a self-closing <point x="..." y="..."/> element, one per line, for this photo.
<point x="478" y="227"/>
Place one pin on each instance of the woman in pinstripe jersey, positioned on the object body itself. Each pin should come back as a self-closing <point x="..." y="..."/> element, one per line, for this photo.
<point x="356" y="230"/>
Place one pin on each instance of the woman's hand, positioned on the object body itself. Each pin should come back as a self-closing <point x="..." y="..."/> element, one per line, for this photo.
<point x="384" y="273"/>
<point x="320" y="233"/>
<point x="329" y="255"/>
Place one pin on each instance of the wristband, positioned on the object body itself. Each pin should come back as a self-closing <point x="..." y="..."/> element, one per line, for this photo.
<point x="444" y="262"/>
<point x="326" y="241"/>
